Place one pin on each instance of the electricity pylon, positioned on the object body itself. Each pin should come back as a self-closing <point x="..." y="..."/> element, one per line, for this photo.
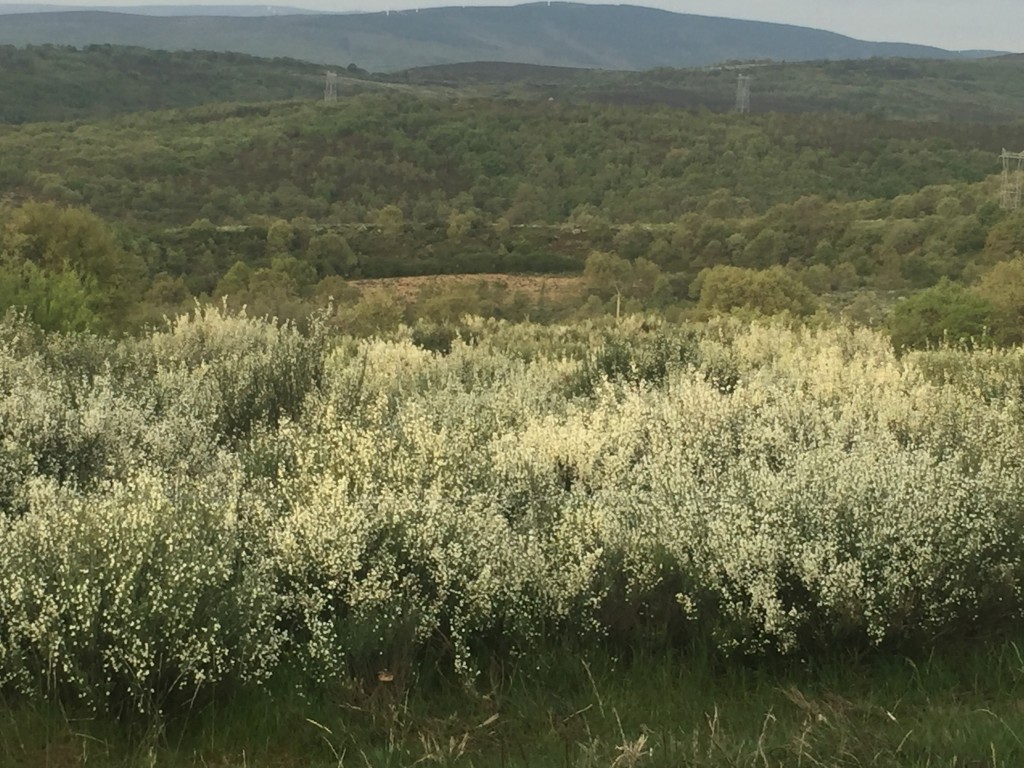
<point x="743" y="94"/>
<point x="1013" y="179"/>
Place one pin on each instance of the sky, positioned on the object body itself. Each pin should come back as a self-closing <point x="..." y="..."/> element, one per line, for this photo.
<point x="953" y="24"/>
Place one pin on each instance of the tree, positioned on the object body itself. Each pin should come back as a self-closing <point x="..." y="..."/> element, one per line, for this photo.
<point x="945" y="312"/>
<point x="1006" y="238"/>
<point x="55" y="301"/>
<point x="301" y="273"/>
<point x="280" y="237"/>
<point x="391" y="220"/>
<point x="460" y="224"/>
<point x="768" y="292"/>
<point x="235" y="282"/>
<point x="378" y="310"/>
<point x="330" y="254"/>
<point x="632" y="241"/>
<point x="608" y="275"/>
<point x="76" y="244"/>
<point x="1003" y="287"/>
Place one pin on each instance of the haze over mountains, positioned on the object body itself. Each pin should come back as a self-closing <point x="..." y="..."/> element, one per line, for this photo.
<point x="163" y="10"/>
<point x="560" y="34"/>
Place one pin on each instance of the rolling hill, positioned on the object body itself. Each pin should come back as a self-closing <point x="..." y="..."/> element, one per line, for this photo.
<point x="981" y="90"/>
<point x="559" y="34"/>
<point x="104" y="80"/>
<point x="162" y="10"/>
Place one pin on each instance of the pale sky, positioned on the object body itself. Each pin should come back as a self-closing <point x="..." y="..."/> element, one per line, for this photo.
<point x="953" y="24"/>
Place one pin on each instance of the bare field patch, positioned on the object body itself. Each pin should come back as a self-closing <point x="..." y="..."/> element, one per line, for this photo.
<point x="534" y="286"/>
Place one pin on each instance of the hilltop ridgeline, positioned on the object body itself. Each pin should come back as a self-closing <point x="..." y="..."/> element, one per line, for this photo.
<point x="559" y="34"/>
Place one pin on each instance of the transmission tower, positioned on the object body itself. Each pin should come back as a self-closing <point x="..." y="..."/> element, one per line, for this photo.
<point x="743" y="94"/>
<point x="1013" y="179"/>
<point x="331" y="87"/>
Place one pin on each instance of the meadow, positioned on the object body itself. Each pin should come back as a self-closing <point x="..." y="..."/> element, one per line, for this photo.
<point x="293" y="519"/>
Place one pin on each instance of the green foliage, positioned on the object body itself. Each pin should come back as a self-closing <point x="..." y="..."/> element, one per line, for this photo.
<point x="55" y="301"/>
<point x="67" y="254"/>
<point x="944" y="313"/>
<point x="766" y="292"/>
<point x="105" y="80"/>
<point x="330" y="254"/>
<point x="956" y="92"/>
<point x="609" y="276"/>
<point x="386" y="154"/>
<point x="377" y="311"/>
<point x="1003" y="287"/>
<point x="386" y="185"/>
<point x="260" y="204"/>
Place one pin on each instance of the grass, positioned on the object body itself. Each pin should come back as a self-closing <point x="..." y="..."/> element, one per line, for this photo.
<point x="962" y="707"/>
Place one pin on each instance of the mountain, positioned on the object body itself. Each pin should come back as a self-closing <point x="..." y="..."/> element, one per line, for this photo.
<point x="44" y="83"/>
<point x="105" y="80"/>
<point x="560" y="34"/>
<point x="163" y="10"/>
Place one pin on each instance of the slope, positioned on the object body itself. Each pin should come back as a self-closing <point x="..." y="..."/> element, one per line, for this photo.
<point x="105" y="80"/>
<point x="983" y="90"/>
<point x="562" y="34"/>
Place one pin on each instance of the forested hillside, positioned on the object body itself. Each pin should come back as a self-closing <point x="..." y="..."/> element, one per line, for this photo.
<point x="48" y="82"/>
<point x="983" y="90"/>
<point x="104" y="80"/>
<point x="525" y="162"/>
<point x="273" y="204"/>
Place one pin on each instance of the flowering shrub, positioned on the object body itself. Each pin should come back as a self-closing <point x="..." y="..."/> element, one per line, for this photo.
<point x="229" y="498"/>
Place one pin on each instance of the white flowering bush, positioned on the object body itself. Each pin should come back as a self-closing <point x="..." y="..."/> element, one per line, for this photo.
<point x="229" y="498"/>
<point x="136" y="593"/>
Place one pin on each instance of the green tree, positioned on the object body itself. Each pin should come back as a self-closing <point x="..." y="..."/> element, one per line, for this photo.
<point x="235" y="282"/>
<point x="945" y="312"/>
<point x="75" y="242"/>
<point x="1003" y="287"/>
<point x="1006" y="238"/>
<point x="768" y="292"/>
<point x="301" y="273"/>
<point x="377" y="311"/>
<point x="331" y="254"/>
<point x="55" y="301"/>
<point x="608" y="276"/>
<point x="280" y="239"/>
<point x="391" y="220"/>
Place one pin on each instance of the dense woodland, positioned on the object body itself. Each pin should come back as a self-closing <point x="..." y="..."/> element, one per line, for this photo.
<point x="985" y="90"/>
<point x="279" y="205"/>
<point x="49" y="82"/>
<point x="99" y="81"/>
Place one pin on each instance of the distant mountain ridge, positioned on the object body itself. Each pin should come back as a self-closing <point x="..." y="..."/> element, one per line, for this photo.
<point x="7" y="9"/>
<point x="560" y="34"/>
